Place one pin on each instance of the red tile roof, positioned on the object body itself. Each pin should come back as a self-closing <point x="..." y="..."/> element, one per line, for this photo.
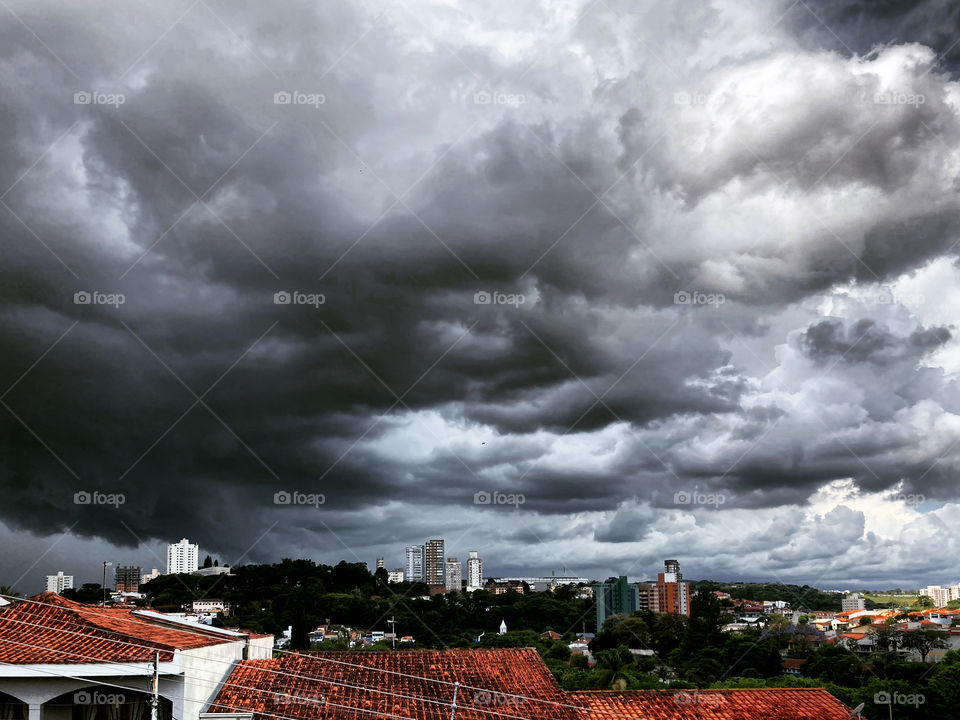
<point x="265" y="687"/>
<point x="48" y="628"/>
<point x="740" y="704"/>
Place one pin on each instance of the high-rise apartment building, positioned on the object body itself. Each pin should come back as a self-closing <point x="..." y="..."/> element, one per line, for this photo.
<point x="453" y="575"/>
<point x="615" y="597"/>
<point x="154" y="573"/>
<point x="182" y="557"/>
<point x="59" y="582"/>
<point x="381" y="564"/>
<point x="433" y="562"/>
<point x="939" y="595"/>
<point x="852" y="602"/>
<point x="474" y="571"/>
<point x="127" y="579"/>
<point x="673" y="595"/>
<point x="414" y="563"/>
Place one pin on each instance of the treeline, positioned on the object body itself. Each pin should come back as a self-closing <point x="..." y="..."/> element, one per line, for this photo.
<point x="796" y="595"/>
<point x="302" y="594"/>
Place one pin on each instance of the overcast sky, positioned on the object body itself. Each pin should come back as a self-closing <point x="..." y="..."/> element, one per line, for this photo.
<point x="675" y="279"/>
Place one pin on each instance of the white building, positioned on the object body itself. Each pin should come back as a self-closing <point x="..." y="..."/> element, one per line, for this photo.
<point x="211" y="606"/>
<point x="939" y="595"/>
<point x="852" y="602"/>
<point x="144" y="579"/>
<point x="395" y="576"/>
<point x="414" y="563"/>
<point x="182" y="557"/>
<point x="474" y="572"/>
<point x="64" y="679"/>
<point x="59" y="582"/>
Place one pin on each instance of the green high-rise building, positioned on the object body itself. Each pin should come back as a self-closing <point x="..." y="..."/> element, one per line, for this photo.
<point x="616" y="596"/>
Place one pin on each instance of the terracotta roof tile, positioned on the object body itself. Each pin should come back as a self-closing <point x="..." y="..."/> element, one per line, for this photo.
<point x="72" y="632"/>
<point x="314" y="695"/>
<point x="740" y="704"/>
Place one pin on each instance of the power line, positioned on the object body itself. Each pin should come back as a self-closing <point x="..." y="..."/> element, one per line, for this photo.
<point x="357" y="665"/>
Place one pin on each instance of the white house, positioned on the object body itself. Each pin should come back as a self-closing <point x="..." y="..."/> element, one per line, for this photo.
<point x="57" y="655"/>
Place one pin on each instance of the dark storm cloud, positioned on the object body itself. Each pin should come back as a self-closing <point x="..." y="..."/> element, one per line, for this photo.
<point x="400" y="197"/>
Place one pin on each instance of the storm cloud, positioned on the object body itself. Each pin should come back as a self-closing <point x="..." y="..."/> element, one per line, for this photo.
<point x="676" y="276"/>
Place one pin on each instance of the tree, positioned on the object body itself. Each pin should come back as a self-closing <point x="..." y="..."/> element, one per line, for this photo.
<point x="923" y="641"/>
<point x="207" y="562"/>
<point x="612" y="666"/>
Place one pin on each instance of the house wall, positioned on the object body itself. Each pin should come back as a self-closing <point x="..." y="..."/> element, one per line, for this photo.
<point x="206" y="669"/>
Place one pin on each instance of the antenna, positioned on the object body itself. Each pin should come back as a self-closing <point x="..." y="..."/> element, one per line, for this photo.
<point x="857" y="710"/>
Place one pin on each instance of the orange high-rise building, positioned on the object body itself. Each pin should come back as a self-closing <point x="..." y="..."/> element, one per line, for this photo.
<point x="673" y="594"/>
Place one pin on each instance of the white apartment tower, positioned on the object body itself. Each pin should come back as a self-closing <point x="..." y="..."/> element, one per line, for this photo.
<point x="474" y="571"/>
<point x="182" y="557"/>
<point x="414" y="563"/>
<point x="59" y="582"/>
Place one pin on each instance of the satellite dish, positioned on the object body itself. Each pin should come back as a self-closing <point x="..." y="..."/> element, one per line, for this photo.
<point x="857" y="710"/>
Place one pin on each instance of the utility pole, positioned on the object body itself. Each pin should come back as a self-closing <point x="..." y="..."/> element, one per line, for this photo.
<point x="155" y="699"/>
<point x="393" y="635"/>
<point x="453" y="707"/>
<point x="104" y="585"/>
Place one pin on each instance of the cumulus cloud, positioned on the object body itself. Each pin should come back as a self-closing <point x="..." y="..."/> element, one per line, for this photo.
<point x="598" y="254"/>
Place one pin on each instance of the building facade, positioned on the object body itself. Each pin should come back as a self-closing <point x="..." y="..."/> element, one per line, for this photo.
<point x="474" y="571"/>
<point x="395" y="576"/>
<point x="453" y="575"/>
<point x="673" y="594"/>
<point x="616" y="596"/>
<point x="433" y="562"/>
<point x="59" y="582"/>
<point x="414" y="563"/>
<point x="182" y="557"/>
<point x="852" y="602"/>
<point x="127" y="578"/>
